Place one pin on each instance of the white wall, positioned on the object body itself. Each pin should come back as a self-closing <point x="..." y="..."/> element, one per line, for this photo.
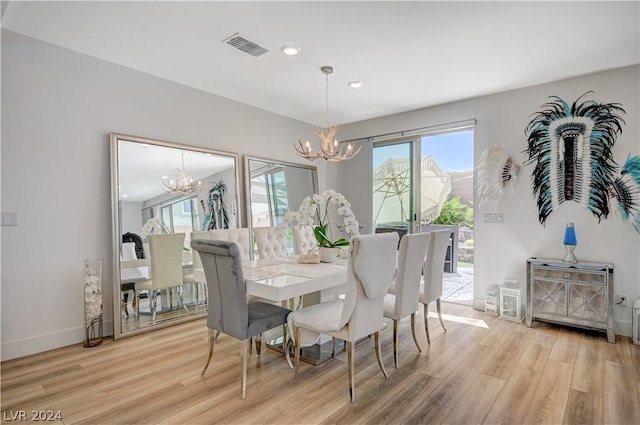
<point x="501" y="250"/>
<point x="58" y="108"/>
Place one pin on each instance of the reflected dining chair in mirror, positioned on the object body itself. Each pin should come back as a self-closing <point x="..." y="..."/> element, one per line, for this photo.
<point x="229" y="312"/>
<point x="304" y="239"/>
<point x="130" y="276"/>
<point x="240" y="235"/>
<point x="197" y="264"/>
<point x="370" y="270"/>
<point x="165" y="251"/>
<point x="271" y="242"/>
<point x="431" y="287"/>
<point x="402" y="299"/>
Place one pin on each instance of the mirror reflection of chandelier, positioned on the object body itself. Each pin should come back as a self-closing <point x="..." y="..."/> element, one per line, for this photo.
<point x="183" y="183"/>
<point x="330" y="148"/>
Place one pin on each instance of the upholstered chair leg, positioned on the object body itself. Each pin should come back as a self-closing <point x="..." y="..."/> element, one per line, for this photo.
<point x="181" y="300"/>
<point x="250" y="345"/>
<point x="287" y="351"/>
<point x="395" y="343"/>
<point x="258" y="344"/>
<point x="211" y="342"/>
<point x="333" y="351"/>
<point x="296" y="356"/>
<point x="245" y="355"/>
<point x="124" y="306"/>
<point x="154" y="303"/>
<point x="440" y="313"/>
<point x="413" y="331"/>
<point x="351" y="369"/>
<point x="379" y="354"/>
<point x="426" y="322"/>
<point x="217" y="335"/>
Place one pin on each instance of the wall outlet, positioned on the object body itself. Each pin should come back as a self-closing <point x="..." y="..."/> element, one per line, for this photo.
<point x="621" y="300"/>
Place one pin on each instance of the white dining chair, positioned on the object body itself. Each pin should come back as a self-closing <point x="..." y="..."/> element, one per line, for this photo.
<point x="197" y="264"/>
<point x="304" y="239"/>
<point x="370" y="269"/>
<point x="239" y="235"/>
<point x="129" y="276"/>
<point x="431" y="287"/>
<point x="271" y="242"/>
<point x="166" y="269"/>
<point x="402" y="300"/>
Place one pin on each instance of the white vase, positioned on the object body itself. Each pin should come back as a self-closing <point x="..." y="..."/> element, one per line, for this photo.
<point x="92" y="289"/>
<point x="328" y="255"/>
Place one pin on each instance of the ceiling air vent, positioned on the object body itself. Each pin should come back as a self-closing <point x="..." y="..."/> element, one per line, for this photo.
<point x="241" y="43"/>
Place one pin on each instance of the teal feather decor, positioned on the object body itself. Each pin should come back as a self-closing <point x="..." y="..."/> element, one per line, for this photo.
<point x="625" y="192"/>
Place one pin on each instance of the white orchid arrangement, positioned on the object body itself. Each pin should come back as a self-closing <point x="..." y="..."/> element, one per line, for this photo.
<point x="314" y="211"/>
<point x="154" y="226"/>
<point x="92" y="295"/>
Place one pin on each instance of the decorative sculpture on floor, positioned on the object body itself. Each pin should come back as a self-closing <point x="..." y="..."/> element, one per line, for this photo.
<point x="496" y="175"/>
<point x="216" y="217"/>
<point x="571" y="147"/>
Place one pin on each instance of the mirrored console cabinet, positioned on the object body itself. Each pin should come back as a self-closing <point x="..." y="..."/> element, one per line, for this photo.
<point x="579" y="294"/>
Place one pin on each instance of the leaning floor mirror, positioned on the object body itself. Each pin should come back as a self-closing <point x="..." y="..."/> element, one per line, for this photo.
<point x="274" y="187"/>
<point x="163" y="194"/>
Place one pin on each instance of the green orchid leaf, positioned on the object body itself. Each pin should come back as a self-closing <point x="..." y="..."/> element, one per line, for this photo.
<point x="322" y="237"/>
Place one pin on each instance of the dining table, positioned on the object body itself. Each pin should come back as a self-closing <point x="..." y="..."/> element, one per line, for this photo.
<point x="284" y="279"/>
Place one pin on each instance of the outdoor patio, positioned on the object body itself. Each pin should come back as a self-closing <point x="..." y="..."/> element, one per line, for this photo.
<point x="458" y="287"/>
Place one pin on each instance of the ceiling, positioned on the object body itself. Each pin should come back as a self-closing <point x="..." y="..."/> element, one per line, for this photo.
<point x="409" y="55"/>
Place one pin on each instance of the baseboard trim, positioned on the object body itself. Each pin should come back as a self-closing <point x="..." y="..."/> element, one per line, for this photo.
<point x="40" y="343"/>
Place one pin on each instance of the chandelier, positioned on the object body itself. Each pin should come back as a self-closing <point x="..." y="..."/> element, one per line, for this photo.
<point x="330" y="148"/>
<point x="183" y="183"/>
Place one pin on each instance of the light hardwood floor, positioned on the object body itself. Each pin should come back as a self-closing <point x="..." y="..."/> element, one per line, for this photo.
<point x="482" y="370"/>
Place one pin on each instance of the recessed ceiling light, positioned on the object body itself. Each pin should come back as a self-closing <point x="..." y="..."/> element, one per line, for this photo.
<point x="290" y="49"/>
<point x="355" y="84"/>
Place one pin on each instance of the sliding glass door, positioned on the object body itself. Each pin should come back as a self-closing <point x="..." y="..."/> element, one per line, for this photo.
<point x="394" y="174"/>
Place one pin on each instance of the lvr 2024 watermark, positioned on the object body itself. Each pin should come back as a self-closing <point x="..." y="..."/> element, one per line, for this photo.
<point x="31" y="415"/>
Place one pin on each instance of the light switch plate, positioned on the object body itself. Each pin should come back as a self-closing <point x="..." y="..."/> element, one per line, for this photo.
<point x="10" y="218"/>
<point x="493" y="217"/>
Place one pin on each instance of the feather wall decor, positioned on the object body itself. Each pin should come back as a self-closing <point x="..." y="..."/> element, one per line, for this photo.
<point x="570" y="146"/>
<point x="496" y="174"/>
<point x="625" y="193"/>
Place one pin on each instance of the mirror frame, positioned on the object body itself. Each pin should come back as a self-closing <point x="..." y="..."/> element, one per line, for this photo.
<point x="114" y="139"/>
<point x="247" y="184"/>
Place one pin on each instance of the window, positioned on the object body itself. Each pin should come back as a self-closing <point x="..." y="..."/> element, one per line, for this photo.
<point x="181" y="216"/>
<point x="269" y="198"/>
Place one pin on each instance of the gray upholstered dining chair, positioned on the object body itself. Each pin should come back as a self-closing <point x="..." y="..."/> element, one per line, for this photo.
<point x="402" y="299"/>
<point x="431" y="288"/>
<point x="369" y="271"/>
<point x="228" y="310"/>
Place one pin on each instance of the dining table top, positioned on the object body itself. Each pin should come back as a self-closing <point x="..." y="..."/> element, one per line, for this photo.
<point x="280" y="279"/>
